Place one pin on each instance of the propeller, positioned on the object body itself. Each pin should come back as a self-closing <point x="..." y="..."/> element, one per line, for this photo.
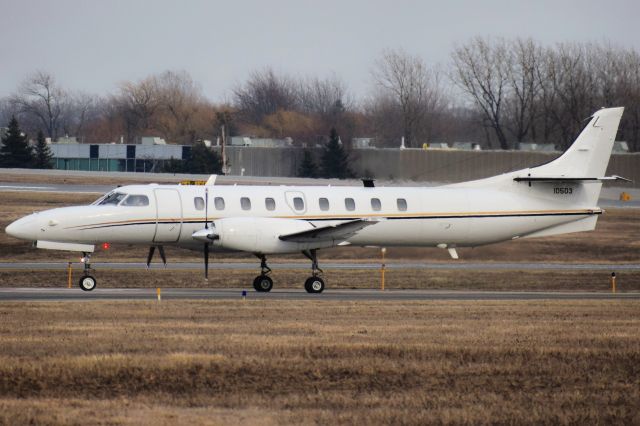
<point x="152" y="250"/>
<point x="206" y="226"/>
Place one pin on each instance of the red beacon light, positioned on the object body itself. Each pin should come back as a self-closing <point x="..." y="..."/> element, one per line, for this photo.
<point x="106" y="246"/>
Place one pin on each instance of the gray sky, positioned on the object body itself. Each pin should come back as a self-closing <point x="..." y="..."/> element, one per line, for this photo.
<point x="94" y="45"/>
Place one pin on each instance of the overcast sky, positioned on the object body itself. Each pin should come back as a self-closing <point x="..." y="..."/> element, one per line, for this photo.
<point x="94" y="45"/>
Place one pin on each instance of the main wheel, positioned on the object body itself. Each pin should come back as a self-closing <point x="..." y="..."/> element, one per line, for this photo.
<point x="87" y="283"/>
<point x="314" y="285"/>
<point x="263" y="283"/>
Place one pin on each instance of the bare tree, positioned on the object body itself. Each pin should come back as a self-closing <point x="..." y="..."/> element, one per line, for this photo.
<point x="138" y="103"/>
<point x="41" y="98"/>
<point x="180" y="100"/>
<point x="522" y="62"/>
<point x="264" y="93"/>
<point x="406" y="80"/>
<point x="479" y="69"/>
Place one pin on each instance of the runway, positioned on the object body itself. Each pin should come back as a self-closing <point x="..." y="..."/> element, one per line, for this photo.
<point x="455" y="265"/>
<point x="130" y="294"/>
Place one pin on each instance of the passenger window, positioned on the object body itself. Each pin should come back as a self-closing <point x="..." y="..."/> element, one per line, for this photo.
<point x="350" y="204"/>
<point x="218" y="202"/>
<point x="136" y="200"/>
<point x="324" y="204"/>
<point x="402" y="204"/>
<point x="375" y="204"/>
<point x="270" y="204"/>
<point x="298" y="203"/>
<point x="245" y="203"/>
<point x="198" y="202"/>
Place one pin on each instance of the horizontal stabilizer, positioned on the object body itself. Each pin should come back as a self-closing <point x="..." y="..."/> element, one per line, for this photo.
<point x="568" y="179"/>
<point x="340" y="231"/>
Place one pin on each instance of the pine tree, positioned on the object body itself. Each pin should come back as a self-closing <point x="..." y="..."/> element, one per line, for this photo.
<point x="203" y="160"/>
<point x="15" y="152"/>
<point x="308" y="167"/>
<point x="335" y="160"/>
<point x="42" y="156"/>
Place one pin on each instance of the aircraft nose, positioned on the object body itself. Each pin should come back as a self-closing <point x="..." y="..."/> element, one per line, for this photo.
<point x="23" y="228"/>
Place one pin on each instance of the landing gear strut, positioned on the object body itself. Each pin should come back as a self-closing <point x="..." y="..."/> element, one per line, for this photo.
<point x="263" y="283"/>
<point x="313" y="284"/>
<point x="87" y="282"/>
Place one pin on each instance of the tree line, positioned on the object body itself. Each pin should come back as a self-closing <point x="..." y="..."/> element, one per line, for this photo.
<point x="496" y="92"/>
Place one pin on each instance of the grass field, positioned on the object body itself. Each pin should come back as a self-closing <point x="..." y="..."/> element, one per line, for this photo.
<point x="579" y="280"/>
<point x="268" y="362"/>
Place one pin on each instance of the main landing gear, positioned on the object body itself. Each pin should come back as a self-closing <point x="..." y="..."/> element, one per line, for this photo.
<point x="87" y="282"/>
<point x="314" y="284"/>
<point x="263" y="282"/>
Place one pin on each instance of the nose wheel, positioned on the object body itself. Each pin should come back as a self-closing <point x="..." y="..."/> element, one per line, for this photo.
<point x="87" y="282"/>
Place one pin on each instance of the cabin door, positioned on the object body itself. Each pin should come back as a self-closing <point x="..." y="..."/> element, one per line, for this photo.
<point x="168" y="215"/>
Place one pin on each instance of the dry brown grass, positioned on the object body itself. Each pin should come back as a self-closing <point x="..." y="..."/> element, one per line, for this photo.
<point x="616" y="239"/>
<point x="320" y="362"/>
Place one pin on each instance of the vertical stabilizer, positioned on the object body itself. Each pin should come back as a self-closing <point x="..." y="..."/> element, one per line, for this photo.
<point x="589" y="155"/>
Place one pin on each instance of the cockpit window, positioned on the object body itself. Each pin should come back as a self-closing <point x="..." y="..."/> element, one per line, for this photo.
<point x="113" y="198"/>
<point x="136" y="200"/>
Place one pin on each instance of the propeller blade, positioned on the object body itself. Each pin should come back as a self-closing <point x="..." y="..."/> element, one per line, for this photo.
<point x="164" y="258"/>
<point x="206" y="208"/>
<point x="206" y="262"/>
<point x="152" y="250"/>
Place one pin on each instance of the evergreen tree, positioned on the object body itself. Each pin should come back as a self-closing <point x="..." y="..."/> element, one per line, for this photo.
<point x="308" y="167"/>
<point x="42" y="156"/>
<point x="335" y="160"/>
<point x="203" y="160"/>
<point x="15" y="151"/>
<point x="173" y="166"/>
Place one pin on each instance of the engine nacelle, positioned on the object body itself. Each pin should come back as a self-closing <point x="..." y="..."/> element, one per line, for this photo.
<point x="261" y="235"/>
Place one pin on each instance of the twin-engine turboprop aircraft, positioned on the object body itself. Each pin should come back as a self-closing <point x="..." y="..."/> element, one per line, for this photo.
<point x="555" y="198"/>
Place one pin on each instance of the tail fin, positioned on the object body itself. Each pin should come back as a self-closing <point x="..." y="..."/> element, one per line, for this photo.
<point x="589" y="155"/>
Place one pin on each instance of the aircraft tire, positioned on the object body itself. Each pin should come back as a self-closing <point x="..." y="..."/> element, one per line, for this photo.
<point x="314" y="285"/>
<point x="263" y="283"/>
<point x="87" y="283"/>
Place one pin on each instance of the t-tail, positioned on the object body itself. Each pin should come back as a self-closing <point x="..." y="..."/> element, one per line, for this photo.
<point x="571" y="182"/>
<point x="584" y="164"/>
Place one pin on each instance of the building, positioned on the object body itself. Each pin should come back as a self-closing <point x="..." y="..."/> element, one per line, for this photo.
<point x="116" y="157"/>
<point x="538" y="147"/>
<point x="261" y="142"/>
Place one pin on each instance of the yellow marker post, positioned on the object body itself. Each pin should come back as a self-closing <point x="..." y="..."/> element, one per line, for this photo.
<point x="383" y="250"/>
<point x="69" y="275"/>
<point x="613" y="282"/>
<point x="158" y="292"/>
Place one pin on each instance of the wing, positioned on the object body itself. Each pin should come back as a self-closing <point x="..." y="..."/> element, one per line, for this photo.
<point x="340" y="231"/>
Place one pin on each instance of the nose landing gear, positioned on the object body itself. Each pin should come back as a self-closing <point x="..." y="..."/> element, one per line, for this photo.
<point x="87" y="281"/>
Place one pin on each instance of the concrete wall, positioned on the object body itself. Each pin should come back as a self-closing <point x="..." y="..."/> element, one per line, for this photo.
<point x="418" y="165"/>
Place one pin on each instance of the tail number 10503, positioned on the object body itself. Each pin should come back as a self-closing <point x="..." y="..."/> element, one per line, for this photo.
<point x="563" y="191"/>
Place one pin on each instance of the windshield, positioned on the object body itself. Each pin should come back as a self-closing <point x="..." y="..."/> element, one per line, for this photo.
<point x="111" y="198"/>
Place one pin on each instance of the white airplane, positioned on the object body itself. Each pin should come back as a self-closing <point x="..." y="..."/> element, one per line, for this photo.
<point x="555" y="198"/>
